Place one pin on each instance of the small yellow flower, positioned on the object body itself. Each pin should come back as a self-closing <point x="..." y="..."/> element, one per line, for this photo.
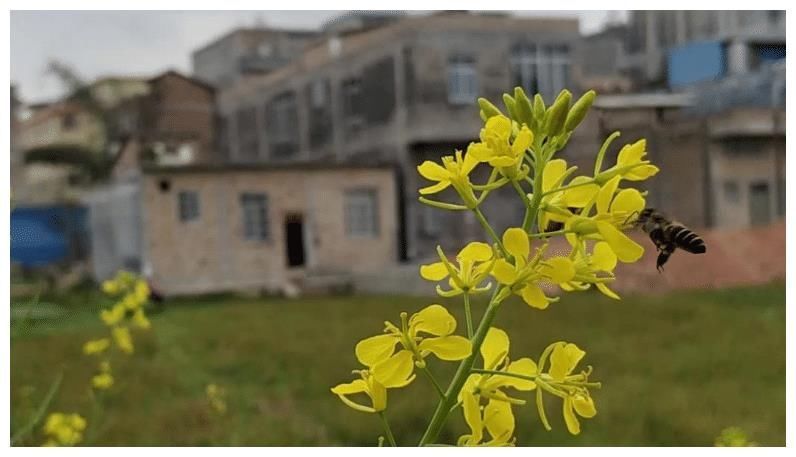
<point x="499" y="151"/>
<point x="96" y="346"/>
<point x="114" y="315"/>
<point x="392" y="373"/>
<point x="215" y="396"/>
<point x="102" y="381"/>
<point x="498" y="417"/>
<point x="596" y="268"/>
<point x="613" y="211"/>
<point x="141" y="291"/>
<point x="475" y="263"/>
<point x="110" y="287"/>
<point x="455" y="171"/>
<point x="524" y="275"/>
<point x="433" y="320"/>
<point x="563" y="360"/>
<point x="64" y="429"/>
<point x="140" y="320"/>
<point x="556" y="205"/>
<point x="123" y="339"/>
<point x="630" y="164"/>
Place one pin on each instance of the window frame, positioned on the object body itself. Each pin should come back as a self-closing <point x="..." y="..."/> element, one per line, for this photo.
<point x="462" y="71"/>
<point x="359" y="229"/>
<point x="262" y="231"/>
<point x="188" y="206"/>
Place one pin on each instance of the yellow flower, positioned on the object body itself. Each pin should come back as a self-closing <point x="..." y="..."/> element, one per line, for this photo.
<point x="141" y="291"/>
<point x="64" y="429"/>
<point x="433" y="320"/>
<point x="123" y="339"/>
<point x="114" y="315"/>
<point x="392" y="373"/>
<point x="601" y="261"/>
<point x="630" y="164"/>
<point x="563" y="360"/>
<point x="475" y="263"/>
<point x="499" y="151"/>
<point x="140" y="320"/>
<point x="110" y="287"/>
<point x="613" y="211"/>
<point x="556" y="205"/>
<point x="455" y="171"/>
<point x="104" y="379"/>
<point x="96" y="346"/>
<point x="498" y="417"/>
<point x="215" y="396"/>
<point x="523" y="275"/>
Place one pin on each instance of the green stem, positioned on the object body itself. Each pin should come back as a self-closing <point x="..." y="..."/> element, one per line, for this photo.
<point x="39" y="415"/>
<point x="485" y="224"/>
<point x="549" y="234"/>
<point x="465" y="367"/>
<point x="387" y="429"/>
<point x="536" y="200"/>
<point x="468" y="316"/>
<point x="526" y="220"/>
<point x="506" y="373"/>
<point x="434" y="382"/>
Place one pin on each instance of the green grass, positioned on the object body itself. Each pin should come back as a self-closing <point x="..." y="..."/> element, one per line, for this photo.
<point x="675" y="369"/>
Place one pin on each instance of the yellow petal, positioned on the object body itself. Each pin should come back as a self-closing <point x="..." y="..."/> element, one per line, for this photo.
<point x="479" y="152"/>
<point x="434" y="271"/>
<point x="433" y="319"/>
<point x="500" y="126"/>
<point x="569" y="417"/>
<point x="468" y="164"/>
<point x="504" y="161"/>
<point x="355" y="387"/>
<point x="534" y="296"/>
<point x="378" y="395"/>
<point x="504" y="272"/>
<point x="564" y="359"/>
<point x="499" y="420"/>
<point x="515" y="240"/>
<point x="476" y="252"/>
<point x="584" y="406"/>
<point x="641" y="173"/>
<point x="395" y="371"/>
<point x="552" y="173"/>
<point x="606" y="194"/>
<point x="472" y="415"/>
<point x="632" y="153"/>
<point x="628" y="201"/>
<point x="603" y="257"/>
<point x="375" y="349"/>
<point x="522" y="142"/>
<point x="626" y="250"/>
<point x="523" y="366"/>
<point x="559" y="269"/>
<point x="606" y="291"/>
<point x="495" y="347"/>
<point x="579" y="197"/>
<point x="451" y="347"/>
<point x="433" y="189"/>
<point x="433" y="171"/>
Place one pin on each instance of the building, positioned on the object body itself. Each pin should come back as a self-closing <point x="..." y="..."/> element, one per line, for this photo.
<point x="174" y="123"/>
<point x="271" y="228"/>
<point x="245" y="52"/>
<point x="398" y="94"/>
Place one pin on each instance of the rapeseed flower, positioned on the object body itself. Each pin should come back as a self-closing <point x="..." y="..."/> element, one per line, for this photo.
<point x="104" y="379"/>
<point x="498" y="149"/>
<point x="475" y="263"/>
<point x="123" y="339"/>
<point x="630" y="164"/>
<point x="96" y="346"/>
<point x="64" y="429"/>
<point x="392" y="373"/>
<point x="455" y="171"/>
<point x="577" y="402"/>
<point x="556" y="205"/>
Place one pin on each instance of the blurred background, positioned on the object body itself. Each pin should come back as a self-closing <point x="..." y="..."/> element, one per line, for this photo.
<point x="258" y="168"/>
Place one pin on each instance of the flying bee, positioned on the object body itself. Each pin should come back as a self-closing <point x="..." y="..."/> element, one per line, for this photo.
<point x="668" y="235"/>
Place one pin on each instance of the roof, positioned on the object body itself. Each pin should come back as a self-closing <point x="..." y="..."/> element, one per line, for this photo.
<point x="263" y="30"/>
<point x="644" y="100"/>
<point x="241" y="167"/>
<point x="190" y="79"/>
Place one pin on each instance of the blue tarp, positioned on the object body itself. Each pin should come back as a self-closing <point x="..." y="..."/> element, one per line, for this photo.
<point x="44" y="235"/>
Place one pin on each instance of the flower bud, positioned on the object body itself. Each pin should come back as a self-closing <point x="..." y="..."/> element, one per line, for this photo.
<point x="523" y="107"/>
<point x="511" y="105"/>
<point x="539" y="109"/>
<point x="488" y="109"/>
<point x="557" y="113"/>
<point x="579" y="110"/>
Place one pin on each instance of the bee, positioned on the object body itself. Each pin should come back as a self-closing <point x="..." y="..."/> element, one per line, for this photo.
<point x="668" y="235"/>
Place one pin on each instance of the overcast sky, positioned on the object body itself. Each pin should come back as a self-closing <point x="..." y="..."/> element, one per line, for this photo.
<point x="143" y="43"/>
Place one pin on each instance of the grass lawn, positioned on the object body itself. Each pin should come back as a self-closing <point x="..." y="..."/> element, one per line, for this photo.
<point x="675" y="369"/>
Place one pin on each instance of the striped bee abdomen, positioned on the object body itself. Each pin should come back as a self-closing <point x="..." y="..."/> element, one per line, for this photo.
<point x="685" y="239"/>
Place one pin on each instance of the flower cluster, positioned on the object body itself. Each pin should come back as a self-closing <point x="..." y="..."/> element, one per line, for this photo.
<point x="216" y="397"/>
<point x="588" y="213"/>
<point x="64" y="429"/>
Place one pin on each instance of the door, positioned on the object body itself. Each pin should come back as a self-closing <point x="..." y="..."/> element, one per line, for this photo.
<point x="294" y="239"/>
<point x="759" y="204"/>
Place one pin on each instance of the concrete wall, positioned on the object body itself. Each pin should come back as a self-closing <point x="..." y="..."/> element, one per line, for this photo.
<point x="212" y="254"/>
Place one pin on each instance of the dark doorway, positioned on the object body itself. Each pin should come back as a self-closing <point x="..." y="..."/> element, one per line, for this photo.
<point x="294" y="239"/>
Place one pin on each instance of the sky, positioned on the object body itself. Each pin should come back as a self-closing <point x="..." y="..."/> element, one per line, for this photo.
<point x="144" y="43"/>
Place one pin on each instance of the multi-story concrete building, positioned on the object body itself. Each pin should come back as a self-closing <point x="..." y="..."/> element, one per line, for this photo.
<point x="399" y="94"/>
<point x="246" y="52"/>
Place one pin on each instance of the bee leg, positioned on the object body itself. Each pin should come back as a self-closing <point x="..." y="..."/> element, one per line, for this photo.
<point x="665" y="252"/>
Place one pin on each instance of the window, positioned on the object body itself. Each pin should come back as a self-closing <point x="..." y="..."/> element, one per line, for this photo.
<point x="352" y="104"/>
<point x="541" y="69"/>
<point x="462" y="81"/>
<point x="188" y="202"/>
<point x="283" y="125"/>
<point x="759" y="204"/>
<point x="732" y="192"/>
<point x="429" y="221"/>
<point x="255" y="216"/>
<point x="318" y="94"/>
<point x="248" y="136"/>
<point x="69" y="121"/>
<point x="361" y="213"/>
